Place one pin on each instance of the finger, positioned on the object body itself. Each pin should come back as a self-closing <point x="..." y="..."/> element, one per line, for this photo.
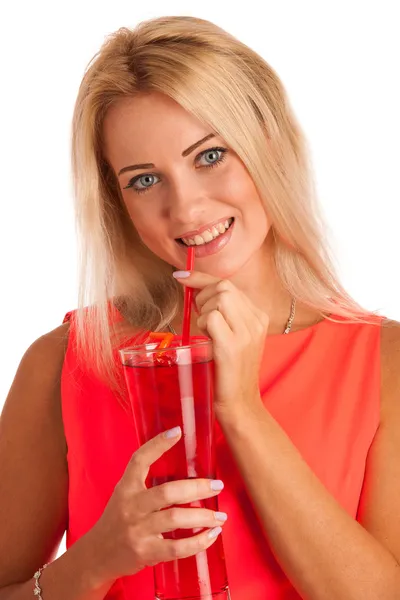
<point x="196" y="279"/>
<point x="202" y="296"/>
<point x="170" y="519"/>
<point x="224" y="292"/>
<point x="215" y="326"/>
<point x="177" y="492"/>
<point x="219" y="288"/>
<point x="189" y="546"/>
<point x="239" y="312"/>
<point x="138" y="467"/>
<point x="235" y="314"/>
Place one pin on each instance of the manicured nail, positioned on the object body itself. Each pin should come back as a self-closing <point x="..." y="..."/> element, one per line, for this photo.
<point x="181" y="274"/>
<point x="217" y="485"/>
<point x="171" y="433"/>
<point x="221" y="516"/>
<point x="214" y="532"/>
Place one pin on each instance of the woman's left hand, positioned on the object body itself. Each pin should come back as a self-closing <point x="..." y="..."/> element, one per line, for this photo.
<point x="238" y="330"/>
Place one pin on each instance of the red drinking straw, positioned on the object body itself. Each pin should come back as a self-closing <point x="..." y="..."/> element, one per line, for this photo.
<point x="187" y="302"/>
<point x="189" y="415"/>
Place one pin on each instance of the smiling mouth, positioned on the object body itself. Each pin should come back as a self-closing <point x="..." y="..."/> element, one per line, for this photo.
<point x="207" y="236"/>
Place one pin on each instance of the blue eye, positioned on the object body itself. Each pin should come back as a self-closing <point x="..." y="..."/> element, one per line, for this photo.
<point x="147" y="179"/>
<point x="222" y="157"/>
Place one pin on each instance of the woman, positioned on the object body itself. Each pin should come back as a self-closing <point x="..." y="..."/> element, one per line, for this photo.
<point x="183" y="136"/>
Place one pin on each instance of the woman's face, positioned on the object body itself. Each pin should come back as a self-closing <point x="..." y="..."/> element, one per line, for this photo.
<point x="175" y="187"/>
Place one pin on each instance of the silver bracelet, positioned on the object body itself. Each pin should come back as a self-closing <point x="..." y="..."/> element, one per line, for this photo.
<point x="37" y="591"/>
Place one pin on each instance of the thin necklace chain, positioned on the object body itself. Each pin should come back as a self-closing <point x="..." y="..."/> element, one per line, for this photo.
<point x="288" y="324"/>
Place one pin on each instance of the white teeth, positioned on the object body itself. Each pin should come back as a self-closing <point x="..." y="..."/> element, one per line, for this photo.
<point x="208" y="235"/>
<point x="198" y="240"/>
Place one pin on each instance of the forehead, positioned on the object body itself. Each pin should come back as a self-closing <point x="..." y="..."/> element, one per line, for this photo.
<point x="149" y="123"/>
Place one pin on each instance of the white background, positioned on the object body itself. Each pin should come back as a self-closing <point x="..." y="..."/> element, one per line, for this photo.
<point x="339" y="62"/>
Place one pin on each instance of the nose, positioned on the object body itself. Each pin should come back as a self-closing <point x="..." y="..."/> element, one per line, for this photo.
<point x="186" y="204"/>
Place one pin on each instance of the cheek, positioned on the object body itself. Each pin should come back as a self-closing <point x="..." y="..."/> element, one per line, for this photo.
<point x="149" y="233"/>
<point x="149" y="229"/>
<point x="140" y="217"/>
<point x="239" y="187"/>
<point x="246" y="198"/>
<point x="143" y="223"/>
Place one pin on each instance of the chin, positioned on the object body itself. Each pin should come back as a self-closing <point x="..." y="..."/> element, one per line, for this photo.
<point x="217" y="268"/>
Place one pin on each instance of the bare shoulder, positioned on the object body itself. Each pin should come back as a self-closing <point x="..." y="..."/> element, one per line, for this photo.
<point x="40" y="365"/>
<point x="390" y="367"/>
<point x="55" y="341"/>
<point x="33" y="461"/>
<point x="390" y="337"/>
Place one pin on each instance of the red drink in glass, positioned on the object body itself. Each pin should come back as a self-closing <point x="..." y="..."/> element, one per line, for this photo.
<point x="170" y="387"/>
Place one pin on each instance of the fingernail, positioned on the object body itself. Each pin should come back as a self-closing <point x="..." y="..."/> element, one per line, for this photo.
<point x="221" y="516"/>
<point x="171" y="433"/>
<point x="181" y="274"/>
<point x="214" y="532"/>
<point x="216" y="485"/>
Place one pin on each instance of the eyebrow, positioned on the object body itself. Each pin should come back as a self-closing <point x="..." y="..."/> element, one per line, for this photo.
<point x="184" y="153"/>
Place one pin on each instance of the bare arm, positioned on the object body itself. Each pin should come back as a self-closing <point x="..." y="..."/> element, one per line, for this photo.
<point x="34" y="492"/>
<point x="379" y="512"/>
<point x="34" y="484"/>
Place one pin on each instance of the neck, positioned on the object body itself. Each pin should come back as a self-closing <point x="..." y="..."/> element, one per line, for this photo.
<point x="259" y="280"/>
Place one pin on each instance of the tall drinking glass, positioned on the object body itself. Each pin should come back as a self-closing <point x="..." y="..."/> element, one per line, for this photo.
<point x="169" y="387"/>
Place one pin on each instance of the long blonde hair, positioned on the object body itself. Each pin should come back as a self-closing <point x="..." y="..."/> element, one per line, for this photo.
<point x="229" y="87"/>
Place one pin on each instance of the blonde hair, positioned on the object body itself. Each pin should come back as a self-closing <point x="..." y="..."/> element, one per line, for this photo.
<point x="229" y="87"/>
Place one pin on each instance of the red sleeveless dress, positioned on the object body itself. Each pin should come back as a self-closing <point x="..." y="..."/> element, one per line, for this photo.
<point x="321" y="384"/>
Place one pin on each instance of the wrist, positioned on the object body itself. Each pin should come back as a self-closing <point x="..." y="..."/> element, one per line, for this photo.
<point x="74" y="574"/>
<point x="241" y="416"/>
<point x="86" y="558"/>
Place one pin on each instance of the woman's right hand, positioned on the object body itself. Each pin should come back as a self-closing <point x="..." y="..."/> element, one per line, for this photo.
<point x="128" y="535"/>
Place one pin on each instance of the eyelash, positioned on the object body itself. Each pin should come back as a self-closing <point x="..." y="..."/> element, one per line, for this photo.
<point x="210" y="166"/>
